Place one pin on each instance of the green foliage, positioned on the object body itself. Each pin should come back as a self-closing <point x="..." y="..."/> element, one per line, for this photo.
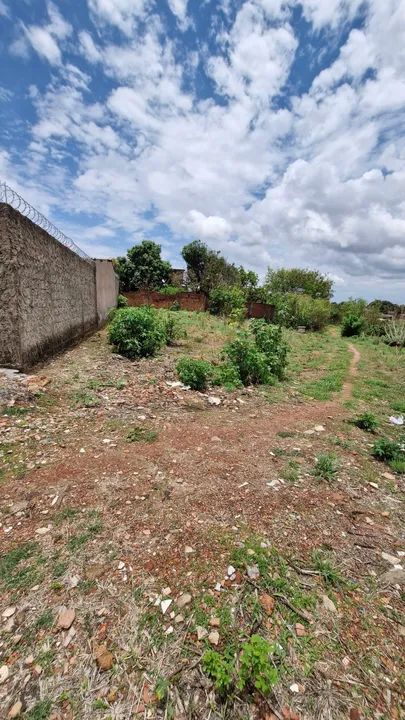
<point x="387" y="450"/>
<point x="195" y="373"/>
<point x="326" y="466"/>
<point x="269" y="339"/>
<point x="161" y="689"/>
<point x="169" y="290"/>
<point x="250" y="362"/>
<point x="172" y="328"/>
<point x="207" y="269"/>
<point x="220" y="669"/>
<point x="122" y="301"/>
<point x="226" y="375"/>
<point x="352" y="325"/>
<point x="143" y="267"/>
<point x="294" y="310"/>
<point x="397" y="465"/>
<point x="15" y="572"/>
<point x="40" y="711"/>
<point x="255" y="668"/>
<point x="367" y="422"/>
<point x="299" y="280"/>
<point x="137" y="332"/>
<point x="331" y="575"/>
<point x="228" y="301"/>
<point x="141" y="434"/>
<point x="394" y="333"/>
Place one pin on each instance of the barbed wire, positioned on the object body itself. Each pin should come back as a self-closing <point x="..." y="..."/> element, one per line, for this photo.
<point x="11" y="197"/>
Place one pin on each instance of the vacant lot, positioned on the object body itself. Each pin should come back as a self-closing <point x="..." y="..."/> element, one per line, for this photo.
<point x="170" y="524"/>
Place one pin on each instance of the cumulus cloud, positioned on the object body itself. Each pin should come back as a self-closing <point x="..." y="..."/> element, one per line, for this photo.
<point x="44" y="39"/>
<point x="264" y="176"/>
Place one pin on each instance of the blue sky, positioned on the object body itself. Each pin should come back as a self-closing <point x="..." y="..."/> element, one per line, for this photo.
<point x="271" y="129"/>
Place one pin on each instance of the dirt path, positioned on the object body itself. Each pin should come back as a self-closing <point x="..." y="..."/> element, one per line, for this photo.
<point x="354" y="362"/>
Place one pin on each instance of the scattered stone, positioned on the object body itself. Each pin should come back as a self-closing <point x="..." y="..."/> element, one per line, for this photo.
<point x="201" y="633"/>
<point x="4" y="673"/>
<point x="295" y="688"/>
<point x="213" y="637"/>
<point x="43" y="530"/>
<point x="213" y="400"/>
<point x="374" y="485"/>
<point x="29" y="660"/>
<point x="231" y="570"/>
<point x="72" y="581"/>
<point x="112" y="695"/>
<point x="95" y="571"/>
<point x="184" y="600"/>
<point x="319" y="428"/>
<point x="179" y="619"/>
<point x="267" y="602"/>
<point x="328" y="604"/>
<point x="253" y="572"/>
<point x="215" y="622"/>
<point x="18" y="507"/>
<point x="393" y="577"/>
<point x="392" y="559"/>
<point x="66" y="618"/>
<point x="69" y="637"/>
<point x="8" y="627"/>
<point x="121" y="565"/>
<point x="165" y="604"/>
<point x="388" y="476"/>
<point x="15" y="710"/>
<point x="188" y="550"/>
<point x="346" y="662"/>
<point x="169" y="630"/>
<point x="37" y="670"/>
<point x="300" y="630"/>
<point x="354" y="714"/>
<point x="8" y="613"/>
<point x="274" y="483"/>
<point x="104" y="658"/>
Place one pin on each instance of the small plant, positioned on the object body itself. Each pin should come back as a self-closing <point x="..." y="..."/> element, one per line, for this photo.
<point x="137" y="332"/>
<point x="250" y="363"/>
<point x="15" y="410"/>
<point x="171" y="329"/>
<point x="141" y="434"/>
<point x="255" y="668"/>
<point x="226" y="375"/>
<point x="395" y="333"/>
<point x="40" y="711"/>
<point x="398" y="465"/>
<point x="386" y="450"/>
<point x="367" y="422"/>
<point x="352" y="325"/>
<point x="194" y="373"/>
<point x="86" y="399"/>
<point x="220" y="669"/>
<point x="122" y="301"/>
<point x="269" y="339"/>
<point x="326" y="466"/>
<point x="325" y="567"/>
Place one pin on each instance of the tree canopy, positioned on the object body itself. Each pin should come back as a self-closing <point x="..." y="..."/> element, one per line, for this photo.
<point x="143" y="268"/>
<point x="206" y="268"/>
<point x="298" y="280"/>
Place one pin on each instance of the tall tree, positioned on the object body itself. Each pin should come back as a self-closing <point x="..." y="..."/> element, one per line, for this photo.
<point x="207" y="269"/>
<point x="143" y="268"/>
<point x="298" y="280"/>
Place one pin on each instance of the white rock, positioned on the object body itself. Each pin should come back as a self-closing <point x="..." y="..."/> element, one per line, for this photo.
<point x="389" y="558"/>
<point x="201" y="632"/>
<point x="121" y="565"/>
<point x="213" y="400"/>
<point x="253" y="572"/>
<point x="8" y="612"/>
<point x="169" y="630"/>
<point x="328" y="604"/>
<point x="319" y="428"/>
<point x="165" y="604"/>
<point x="188" y="550"/>
<point x="43" y="530"/>
<point x="231" y="570"/>
<point x="4" y="673"/>
<point x="213" y="637"/>
<point x="274" y="483"/>
<point x="294" y="688"/>
<point x="184" y="600"/>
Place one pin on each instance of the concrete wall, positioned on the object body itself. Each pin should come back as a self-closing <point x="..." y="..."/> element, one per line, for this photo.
<point x="48" y="293"/>
<point x="107" y="284"/>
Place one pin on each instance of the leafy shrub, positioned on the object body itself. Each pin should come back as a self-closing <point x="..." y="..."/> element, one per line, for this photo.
<point x="269" y="339"/>
<point x="172" y="329"/>
<point x="137" y="332"/>
<point x="398" y="465"/>
<point x="219" y="668"/>
<point x="251" y="363"/>
<point x="122" y="301"/>
<point x="255" y="668"/>
<point x="293" y="310"/>
<point x="394" y="333"/>
<point x="141" y="434"/>
<point x="170" y="290"/>
<point x="387" y="450"/>
<point x="367" y="421"/>
<point x="195" y="373"/>
<point x="229" y="301"/>
<point x="226" y="375"/>
<point x="326" y="466"/>
<point x="352" y="325"/>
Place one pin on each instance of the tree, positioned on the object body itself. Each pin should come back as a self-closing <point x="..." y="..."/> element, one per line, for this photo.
<point x="206" y="268"/>
<point x="143" y="268"/>
<point x="298" y="280"/>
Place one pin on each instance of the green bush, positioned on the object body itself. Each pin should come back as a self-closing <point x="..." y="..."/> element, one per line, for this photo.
<point x="226" y="375"/>
<point x="367" y="422"/>
<point x="195" y="373"/>
<point x="250" y="362"/>
<point x="122" y="301"/>
<point x="394" y="333"/>
<point x="137" y="332"/>
<point x="170" y="290"/>
<point x="352" y="325"/>
<point x="220" y="669"/>
<point x="387" y="450"/>
<point x="326" y="466"/>
<point x="255" y="666"/>
<point x="228" y="301"/>
<point x="269" y="339"/>
<point x="172" y="329"/>
<point x="294" y="310"/>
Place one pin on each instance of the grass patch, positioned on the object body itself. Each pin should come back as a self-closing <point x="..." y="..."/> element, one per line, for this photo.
<point x="40" y="711"/>
<point x="16" y="573"/>
<point x="326" y="466"/>
<point x="331" y="575"/>
<point x="141" y="434"/>
<point x="15" y="411"/>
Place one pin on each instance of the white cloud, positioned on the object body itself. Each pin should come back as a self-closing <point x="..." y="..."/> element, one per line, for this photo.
<point x="4" y="9"/>
<point x="207" y="228"/>
<point x="44" y="39"/>
<point x="124" y="14"/>
<point x="88" y="47"/>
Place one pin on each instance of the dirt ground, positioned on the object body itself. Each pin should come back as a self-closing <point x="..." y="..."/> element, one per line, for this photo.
<point x="121" y="490"/>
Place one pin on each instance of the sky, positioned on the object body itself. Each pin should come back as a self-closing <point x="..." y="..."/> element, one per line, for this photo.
<point x="273" y="130"/>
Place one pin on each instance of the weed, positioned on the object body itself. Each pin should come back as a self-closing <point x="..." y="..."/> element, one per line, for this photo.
<point x="367" y="422"/>
<point x="194" y="373"/>
<point x="255" y="668"/>
<point x="82" y="398"/>
<point x="220" y="669"/>
<point x="68" y="513"/>
<point x="323" y="564"/>
<point x="291" y="471"/>
<point x="59" y="569"/>
<point x="100" y="704"/>
<point x="137" y="332"/>
<point x="44" y="621"/>
<point x="226" y="375"/>
<point x="46" y="659"/>
<point x="93" y="529"/>
<point x="326" y="466"/>
<point x="398" y="465"/>
<point x="387" y="450"/>
<point x="15" y="411"/>
<point x="161" y="690"/>
<point x="285" y="434"/>
<point x="40" y="711"/>
<point x="15" y="577"/>
<point x="141" y="434"/>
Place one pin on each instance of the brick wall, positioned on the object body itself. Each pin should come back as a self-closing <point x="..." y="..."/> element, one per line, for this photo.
<point x="187" y="301"/>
